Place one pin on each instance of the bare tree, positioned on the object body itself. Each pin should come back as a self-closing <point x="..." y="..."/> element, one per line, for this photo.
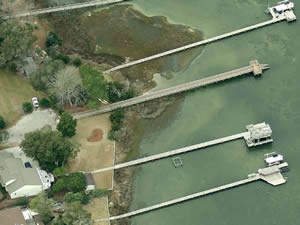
<point x="66" y="86"/>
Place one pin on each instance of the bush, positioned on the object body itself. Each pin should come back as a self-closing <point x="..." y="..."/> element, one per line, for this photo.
<point x="53" y="40"/>
<point x="73" y="197"/>
<point x="67" y="125"/>
<point x="116" y="118"/>
<point x="12" y="67"/>
<point x="3" y="192"/>
<point x="27" y="107"/>
<point x="99" y="192"/>
<point x="75" y="182"/>
<point x="19" y="202"/>
<point x="59" y="172"/>
<point x="116" y="92"/>
<point x="95" y="85"/>
<point x="86" y="199"/>
<point x="76" y="62"/>
<point x="66" y="59"/>
<point x="45" y="103"/>
<point x="2" y="123"/>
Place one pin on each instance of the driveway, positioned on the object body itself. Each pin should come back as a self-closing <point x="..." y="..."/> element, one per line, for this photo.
<point x="31" y="122"/>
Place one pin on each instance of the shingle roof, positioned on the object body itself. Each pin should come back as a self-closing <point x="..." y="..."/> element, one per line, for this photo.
<point x="13" y="169"/>
<point x="12" y="216"/>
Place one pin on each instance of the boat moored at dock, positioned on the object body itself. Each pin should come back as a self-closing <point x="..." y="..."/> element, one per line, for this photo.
<point x="283" y="9"/>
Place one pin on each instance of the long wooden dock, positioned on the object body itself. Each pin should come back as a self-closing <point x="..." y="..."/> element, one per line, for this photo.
<point x="252" y="68"/>
<point x="63" y="8"/>
<point x="197" y="44"/>
<point x="173" y="152"/>
<point x="183" y="199"/>
<point x="271" y="175"/>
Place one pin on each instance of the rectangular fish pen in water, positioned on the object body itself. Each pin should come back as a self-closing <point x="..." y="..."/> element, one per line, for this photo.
<point x="177" y="161"/>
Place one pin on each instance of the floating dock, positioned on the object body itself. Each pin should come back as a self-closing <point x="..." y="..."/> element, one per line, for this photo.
<point x="244" y="135"/>
<point x="254" y="67"/>
<point x="271" y="175"/>
<point x="63" y="8"/>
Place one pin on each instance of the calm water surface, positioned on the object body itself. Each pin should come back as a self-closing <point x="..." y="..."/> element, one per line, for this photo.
<point x="222" y="110"/>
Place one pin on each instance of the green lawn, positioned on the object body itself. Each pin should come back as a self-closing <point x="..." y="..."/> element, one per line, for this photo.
<point x="14" y="90"/>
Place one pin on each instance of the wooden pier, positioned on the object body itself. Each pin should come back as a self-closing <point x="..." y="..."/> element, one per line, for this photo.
<point x="254" y="68"/>
<point x="174" y="152"/>
<point x="62" y="8"/>
<point x="197" y="44"/>
<point x="271" y="175"/>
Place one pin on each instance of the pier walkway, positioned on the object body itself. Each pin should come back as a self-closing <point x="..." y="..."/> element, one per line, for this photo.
<point x="186" y="198"/>
<point x="63" y="8"/>
<point x="271" y="175"/>
<point x="197" y="44"/>
<point x="173" y="152"/>
<point x="254" y="68"/>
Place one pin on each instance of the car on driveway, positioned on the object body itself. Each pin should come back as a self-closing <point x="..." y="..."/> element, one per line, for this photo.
<point x="35" y="102"/>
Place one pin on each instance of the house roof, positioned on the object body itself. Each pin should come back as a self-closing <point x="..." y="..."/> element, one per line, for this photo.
<point x="89" y="180"/>
<point x="13" y="170"/>
<point x="12" y="216"/>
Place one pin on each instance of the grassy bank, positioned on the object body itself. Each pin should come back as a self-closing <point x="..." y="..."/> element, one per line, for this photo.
<point x="14" y="91"/>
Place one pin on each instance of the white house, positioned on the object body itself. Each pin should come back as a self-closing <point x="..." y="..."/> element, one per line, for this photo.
<point x="21" y="180"/>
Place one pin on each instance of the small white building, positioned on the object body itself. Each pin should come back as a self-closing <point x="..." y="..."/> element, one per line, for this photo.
<point x="89" y="182"/>
<point x="21" y="180"/>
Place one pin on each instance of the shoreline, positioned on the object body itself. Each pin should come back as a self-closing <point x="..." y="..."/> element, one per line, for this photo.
<point x="123" y="41"/>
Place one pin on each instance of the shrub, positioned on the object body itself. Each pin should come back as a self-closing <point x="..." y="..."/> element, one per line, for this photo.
<point x="66" y="59"/>
<point x="53" y="40"/>
<point x="19" y="202"/>
<point x="76" y="62"/>
<point x="73" y="197"/>
<point x="116" y="92"/>
<point x="27" y="107"/>
<point x="45" y="103"/>
<point x="116" y="118"/>
<point x="67" y="125"/>
<point x="2" y="123"/>
<point x="75" y="182"/>
<point x="3" y="192"/>
<point x="99" y="192"/>
<point x="86" y="199"/>
<point x="59" y="172"/>
<point x="94" y="83"/>
<point x="12" y="67"/>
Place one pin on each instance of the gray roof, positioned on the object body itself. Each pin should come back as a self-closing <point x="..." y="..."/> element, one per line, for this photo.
<point x="12" y="216"/>
<point x="13" y="169"/>
<point x="89" y="180"/>
<point x="30" y="66"/>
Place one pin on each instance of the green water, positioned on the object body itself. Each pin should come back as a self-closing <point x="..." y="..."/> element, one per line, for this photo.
<point x="221" y="110"/>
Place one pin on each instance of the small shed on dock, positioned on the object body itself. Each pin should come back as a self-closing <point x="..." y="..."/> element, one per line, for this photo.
<point x="89" y="182"/>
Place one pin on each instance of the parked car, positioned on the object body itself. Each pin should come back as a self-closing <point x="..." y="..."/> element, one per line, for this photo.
<point x="35" y="102"/>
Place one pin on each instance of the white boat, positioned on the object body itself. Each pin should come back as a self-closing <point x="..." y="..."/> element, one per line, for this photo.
<point x="273" y="158"/>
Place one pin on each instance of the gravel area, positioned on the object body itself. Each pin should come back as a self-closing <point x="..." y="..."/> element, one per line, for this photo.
<point x="31" y="122"/>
